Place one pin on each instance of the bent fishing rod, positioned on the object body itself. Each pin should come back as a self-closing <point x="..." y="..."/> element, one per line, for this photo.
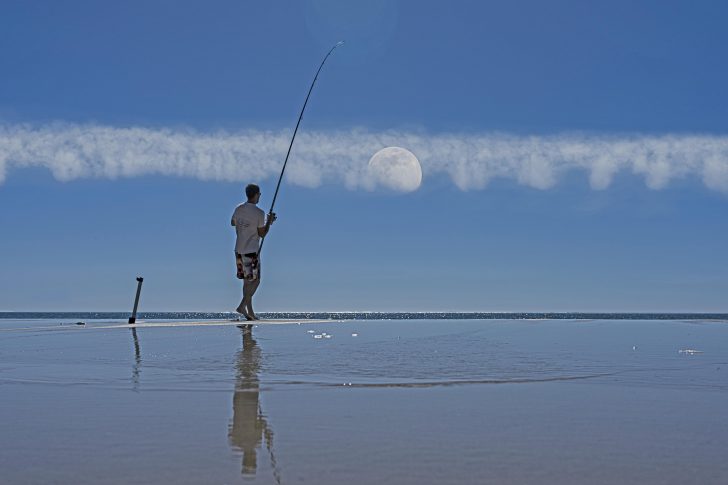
<point x="285" y="162"/>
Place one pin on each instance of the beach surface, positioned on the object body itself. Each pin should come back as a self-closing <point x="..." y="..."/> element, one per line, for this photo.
<point x="365" y="401"/>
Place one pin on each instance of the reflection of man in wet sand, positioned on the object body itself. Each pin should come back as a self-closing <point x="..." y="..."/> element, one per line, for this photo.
<point x="249" y="427"/>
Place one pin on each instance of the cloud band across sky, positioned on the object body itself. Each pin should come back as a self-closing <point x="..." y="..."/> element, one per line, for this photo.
<point x="471" y="161"/>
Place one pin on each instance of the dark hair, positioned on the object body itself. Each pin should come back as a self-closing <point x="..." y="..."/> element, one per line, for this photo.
<point x="252" y="190"/>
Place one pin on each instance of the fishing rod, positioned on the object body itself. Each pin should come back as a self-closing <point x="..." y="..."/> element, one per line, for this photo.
<point x="300" y="117"/>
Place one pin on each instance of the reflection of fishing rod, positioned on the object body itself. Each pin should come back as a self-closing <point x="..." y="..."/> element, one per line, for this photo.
<point x="300" y="117"/>
<point x="268" y="434"/>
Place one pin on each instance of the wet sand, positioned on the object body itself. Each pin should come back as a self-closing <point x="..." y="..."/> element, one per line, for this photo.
<point x="400" y="402"/>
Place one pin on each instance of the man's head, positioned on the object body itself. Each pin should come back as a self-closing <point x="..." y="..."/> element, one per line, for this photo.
<point x="252" y="191"/>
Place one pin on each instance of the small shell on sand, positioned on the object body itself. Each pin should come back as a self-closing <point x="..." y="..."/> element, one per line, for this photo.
<point x="690" y="351"/>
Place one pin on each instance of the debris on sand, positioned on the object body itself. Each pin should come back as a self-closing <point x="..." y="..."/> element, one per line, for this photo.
<point x="690" y="351"/>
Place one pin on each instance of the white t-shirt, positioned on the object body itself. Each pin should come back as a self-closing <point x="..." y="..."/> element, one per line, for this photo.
<point x="247" y="219"/>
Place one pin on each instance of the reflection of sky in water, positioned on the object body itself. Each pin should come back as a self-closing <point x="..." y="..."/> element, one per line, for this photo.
<point x="588" y="392"/>
<point x="383" y="353"/>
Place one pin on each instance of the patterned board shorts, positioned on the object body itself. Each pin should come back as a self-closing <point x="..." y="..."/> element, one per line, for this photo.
<point x="248" y="266"/>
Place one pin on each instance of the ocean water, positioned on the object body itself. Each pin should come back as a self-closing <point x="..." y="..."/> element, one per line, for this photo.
<point x="367" y="398"/>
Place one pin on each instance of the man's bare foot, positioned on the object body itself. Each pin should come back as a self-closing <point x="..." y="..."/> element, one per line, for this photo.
<point x="242" y="312"/>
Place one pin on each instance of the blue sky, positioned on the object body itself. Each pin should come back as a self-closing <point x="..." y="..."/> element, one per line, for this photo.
<point x="128" y="130"/>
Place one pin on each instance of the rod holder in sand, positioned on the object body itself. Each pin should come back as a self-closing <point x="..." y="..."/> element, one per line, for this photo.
<point x="132" y="318"/>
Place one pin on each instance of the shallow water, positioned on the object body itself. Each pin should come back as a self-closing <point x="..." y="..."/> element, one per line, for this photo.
<point x="404" y="401"/>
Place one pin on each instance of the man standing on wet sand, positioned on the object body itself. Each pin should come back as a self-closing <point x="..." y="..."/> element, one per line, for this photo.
<point x="250" y="225"/>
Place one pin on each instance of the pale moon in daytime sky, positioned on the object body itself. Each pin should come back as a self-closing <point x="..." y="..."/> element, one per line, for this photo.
<point x="397" y="169"/>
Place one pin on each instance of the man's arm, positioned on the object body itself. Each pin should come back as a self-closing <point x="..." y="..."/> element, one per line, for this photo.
<point x="263" y="231"/>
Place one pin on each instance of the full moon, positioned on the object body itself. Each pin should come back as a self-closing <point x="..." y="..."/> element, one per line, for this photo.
<point x="396" y="168"/>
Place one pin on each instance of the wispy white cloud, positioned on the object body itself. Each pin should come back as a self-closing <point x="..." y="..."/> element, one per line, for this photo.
<point x="470" y="160"/>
